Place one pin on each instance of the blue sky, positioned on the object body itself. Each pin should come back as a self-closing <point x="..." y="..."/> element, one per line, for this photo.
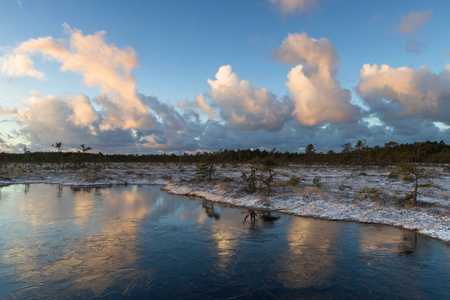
<point x="179" y="45"/>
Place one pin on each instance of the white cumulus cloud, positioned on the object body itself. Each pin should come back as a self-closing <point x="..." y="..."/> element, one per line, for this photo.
<point x="317" y="96"/>
<point x="245" y="106"/>
<point x="399" y="93"/>
<point x="47" y="119"/>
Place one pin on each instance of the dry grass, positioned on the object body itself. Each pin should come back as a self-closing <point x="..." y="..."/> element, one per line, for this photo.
<point x="223" y="186"/>
<point x="430" y="185"/>
<point x="310" y="190"/>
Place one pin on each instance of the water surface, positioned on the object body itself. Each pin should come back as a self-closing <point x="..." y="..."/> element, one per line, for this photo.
<point x="140" y="242"/>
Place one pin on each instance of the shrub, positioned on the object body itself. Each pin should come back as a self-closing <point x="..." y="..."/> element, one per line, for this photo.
<point x="373" y="194"/>
<point x="293" y="181"/>
<point x="249" y="181"/>
<point x="98" y="167"/>
<point x="206" y="170"/>
<point x="89" y="177"/>
<point x="317" y="182"/>
<point x="393" y="175"/>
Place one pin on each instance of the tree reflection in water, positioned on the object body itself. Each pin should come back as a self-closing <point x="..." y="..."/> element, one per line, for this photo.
<point x="26" y="188"/>
<point x="409" y="244"/>
<point x="60" y="190"/>
<point x="131" y="242"/>
<point x="210" y="211"/>
<point x="264" y="216"/>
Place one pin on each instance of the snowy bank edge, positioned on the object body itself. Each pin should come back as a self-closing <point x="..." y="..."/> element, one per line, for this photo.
<point x="430" y="225"/>
<point x="439" y="231"/>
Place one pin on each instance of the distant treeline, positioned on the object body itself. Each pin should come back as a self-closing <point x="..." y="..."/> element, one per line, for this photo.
<point x="358" y="154"/>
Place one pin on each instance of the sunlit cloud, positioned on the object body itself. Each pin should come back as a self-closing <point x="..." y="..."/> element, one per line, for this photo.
<point x="200" y="100"/>
<point x="298" y="48"/>
<point x="232" y="113"/>
<point x="46" y="119"/>
<point x="316" y="94"/>
<point x="244" y="106"/>
<point x="101" y="65"/>
<point x="399" y="93"/>
<point x="199" y="105"/>
<point x="49" y="118"/>
<point x="83" y="114"/>
<point x="292" y="6"/>
<point x="19" y="65"/>
<point x="414" y="22"/>
<point x="412" y="25"/>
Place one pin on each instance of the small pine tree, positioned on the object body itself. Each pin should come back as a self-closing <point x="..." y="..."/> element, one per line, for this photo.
<point x="206" y="169"/>
<point x="310" y="153"/>
<point x="268" y="165"/>
<point x="58" y="146"/>
<point x="83" y="150"/>
<point x="412" y="173"/>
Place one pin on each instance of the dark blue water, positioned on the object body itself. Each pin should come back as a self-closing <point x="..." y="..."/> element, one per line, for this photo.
<point x="140" y="242"/>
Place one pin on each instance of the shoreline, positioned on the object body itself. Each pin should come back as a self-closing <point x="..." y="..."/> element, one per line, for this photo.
<point x="339" y="199"/>
<point x="443" y="235"/>
<point x="444" y="241"/>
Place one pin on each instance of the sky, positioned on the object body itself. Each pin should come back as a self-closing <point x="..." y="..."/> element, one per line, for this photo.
<point x="204" y="75"/>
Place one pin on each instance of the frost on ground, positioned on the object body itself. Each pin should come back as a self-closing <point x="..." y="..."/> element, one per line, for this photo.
<point x="335" y="193"/>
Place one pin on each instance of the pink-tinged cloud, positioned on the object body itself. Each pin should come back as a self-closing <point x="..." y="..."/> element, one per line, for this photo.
<point x="46" y="119"/>
<point x="299" y="48"/>
<point x="415" y="21"/>
<point x="404" y="92"/>
<point x="318" y="99"/>
<point x="18" y="65"/>
<point x="115" y="116"/>
<point x="83" y="113"/>
<point x="201" y="102"/>
<point x="101" y="65"/>
<point x="244" y="106"/>
<point x="199" y="105"/>
<point x="415" y="91"/>
<point x="377" y="18"/>
<point x="315" y="92"/>
<point x="292" y="6"/>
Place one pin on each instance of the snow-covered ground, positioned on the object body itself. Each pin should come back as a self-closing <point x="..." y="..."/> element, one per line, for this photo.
<point x="350" y="194"/>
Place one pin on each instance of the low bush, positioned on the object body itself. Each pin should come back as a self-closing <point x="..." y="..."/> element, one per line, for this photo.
<point x="317" y="182"/>
<point x="374" y="194"/>
<point x="293" y="181"/>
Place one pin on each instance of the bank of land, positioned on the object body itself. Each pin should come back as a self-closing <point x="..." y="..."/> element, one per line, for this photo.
<point x="371" y="195"/>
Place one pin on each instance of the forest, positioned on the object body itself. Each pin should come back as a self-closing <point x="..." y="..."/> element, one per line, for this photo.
<point x="390" y="153"/>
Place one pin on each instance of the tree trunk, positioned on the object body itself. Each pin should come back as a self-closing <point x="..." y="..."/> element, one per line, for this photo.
<point x="416" y="186"/>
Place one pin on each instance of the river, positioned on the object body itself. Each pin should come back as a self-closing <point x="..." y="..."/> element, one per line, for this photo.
<point x="140" y="242"/>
